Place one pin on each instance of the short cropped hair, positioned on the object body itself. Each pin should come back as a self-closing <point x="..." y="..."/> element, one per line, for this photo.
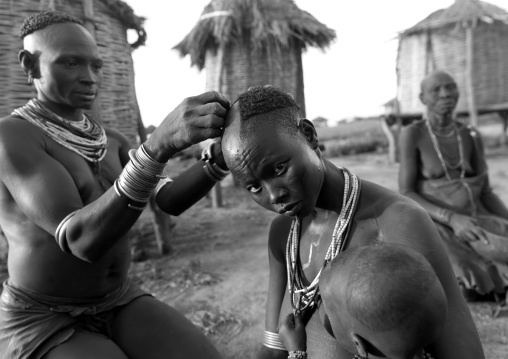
<point x="264" y="99"/>
<point x="43" y="19"/>
<point x="386" y="287"/>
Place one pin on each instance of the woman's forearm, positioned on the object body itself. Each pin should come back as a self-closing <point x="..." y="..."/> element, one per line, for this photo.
<point x="436" y="212"/>
<point x="494" y="204"/>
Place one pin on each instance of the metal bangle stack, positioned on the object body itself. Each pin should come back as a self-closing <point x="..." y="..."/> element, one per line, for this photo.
<point x="212" y="170"/>
<point x="139" y="178"/>
<point x="272" y="340"/>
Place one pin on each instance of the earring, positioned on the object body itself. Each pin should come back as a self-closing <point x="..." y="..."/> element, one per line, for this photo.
<point x="30" y="79"/>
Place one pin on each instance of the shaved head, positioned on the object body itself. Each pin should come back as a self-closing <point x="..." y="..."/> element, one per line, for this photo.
<point x="390" y="293"/>
<point x="431" y="76"/>
<point x="440" y="94"/>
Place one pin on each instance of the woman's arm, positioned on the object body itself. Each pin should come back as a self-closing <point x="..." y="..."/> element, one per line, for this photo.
<point x="488" y="198"/>
<point x="190" y="186"/>
<point x="277" y="240"/>
<point x="493" y="203"/>
<point x="45" y="191"/>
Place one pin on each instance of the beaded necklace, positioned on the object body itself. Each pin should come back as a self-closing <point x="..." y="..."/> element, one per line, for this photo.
<point x="446" y="131"/>
<point x="444" y="163"/>
<point x="87" y="138"/>
<point x="460" y="164"/>
<point x="303" y="296"/>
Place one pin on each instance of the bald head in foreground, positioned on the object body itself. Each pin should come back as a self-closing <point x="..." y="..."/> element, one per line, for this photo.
<point x="393" y="313"/>
<point x="274" y="154"/>
<point x="384" y="299"/>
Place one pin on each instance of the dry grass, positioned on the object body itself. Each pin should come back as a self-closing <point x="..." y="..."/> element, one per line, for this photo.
<point x="366" y="136"/>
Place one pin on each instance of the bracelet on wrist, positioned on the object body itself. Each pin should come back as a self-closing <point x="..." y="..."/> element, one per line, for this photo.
<point x="297" y="354"/>
<point x="444" y="215"/>
<point x="139" y="178"/>
<point x="61" y="233"/>
<point x="272" y="340"/>
<point x="162" y="182"/>
<point x="212" y="169"/>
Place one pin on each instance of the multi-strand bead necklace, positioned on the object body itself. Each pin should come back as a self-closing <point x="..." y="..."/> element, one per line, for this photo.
<point x="303" y="296"/>
<point x="460" y="164"/>
<point x="444" y="163"/>
<point x="87" y="138"/>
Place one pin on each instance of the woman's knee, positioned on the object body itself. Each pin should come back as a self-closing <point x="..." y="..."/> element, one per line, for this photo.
<point x="148" y="328"/>
<point x="86" y="345"/>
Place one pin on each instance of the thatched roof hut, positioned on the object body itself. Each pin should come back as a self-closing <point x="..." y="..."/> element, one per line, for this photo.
<point x="108" y="21"/>
<point x="470" y="41"/>
<point x="243" y="43"/>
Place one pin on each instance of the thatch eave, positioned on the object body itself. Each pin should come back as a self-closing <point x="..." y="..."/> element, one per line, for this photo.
<point x="129" y="19"/>
<point x="461" y="13"/>
<point x="261" y="22"/>
<point x="121" y="11"/>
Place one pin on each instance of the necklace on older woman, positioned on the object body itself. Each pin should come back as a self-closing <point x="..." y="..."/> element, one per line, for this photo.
<point x="303" y="296"/>
<point x="444" y="163"/>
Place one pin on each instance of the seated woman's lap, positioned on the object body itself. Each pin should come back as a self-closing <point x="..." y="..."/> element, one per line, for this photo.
<point x="86" y="345"/>
<point x="147" y="328"/>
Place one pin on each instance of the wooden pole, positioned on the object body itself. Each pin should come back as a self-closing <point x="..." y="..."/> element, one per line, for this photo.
<point x="88" y="10"/>
<point x="392" y="155"/>
<point x="504" y="120"/>
<point x="216" y="192"/>
<point x="473" y="114"/>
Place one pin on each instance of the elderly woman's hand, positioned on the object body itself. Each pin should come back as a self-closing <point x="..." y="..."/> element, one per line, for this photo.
<point x="467" y="228"/>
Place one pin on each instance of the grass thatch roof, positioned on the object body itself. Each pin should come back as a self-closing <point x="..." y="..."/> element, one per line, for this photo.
<point x="462" y="12"/>
<point x="121" y="11"/>
<point x="262" y="22"/>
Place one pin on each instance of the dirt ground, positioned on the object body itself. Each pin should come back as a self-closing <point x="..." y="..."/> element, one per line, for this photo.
<point x="218" y="270"/>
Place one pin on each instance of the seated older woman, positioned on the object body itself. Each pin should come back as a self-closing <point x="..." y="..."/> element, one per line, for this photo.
<point x="443" y="168"/>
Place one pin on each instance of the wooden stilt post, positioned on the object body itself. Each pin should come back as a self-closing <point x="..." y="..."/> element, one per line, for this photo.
<point x="216" y="192"/>
<point x="471" y="104"/>
<point x="392" y="147"/>
<point x="88" y="10"/>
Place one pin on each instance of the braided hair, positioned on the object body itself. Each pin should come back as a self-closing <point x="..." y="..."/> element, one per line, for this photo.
<point x="43" y="19"/>
<point x="266" y="99"/>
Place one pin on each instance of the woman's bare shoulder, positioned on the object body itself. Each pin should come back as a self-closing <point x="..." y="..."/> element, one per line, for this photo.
<point x="17" y="132"/>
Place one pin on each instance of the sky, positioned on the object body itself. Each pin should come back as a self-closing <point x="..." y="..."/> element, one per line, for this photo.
<point x="354" y="76"/>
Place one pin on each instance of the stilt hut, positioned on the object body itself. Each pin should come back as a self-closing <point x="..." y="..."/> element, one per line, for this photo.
<point x="243" y="43"/>
<point x="469" y="40"/>
<point x="117" y="107"/>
